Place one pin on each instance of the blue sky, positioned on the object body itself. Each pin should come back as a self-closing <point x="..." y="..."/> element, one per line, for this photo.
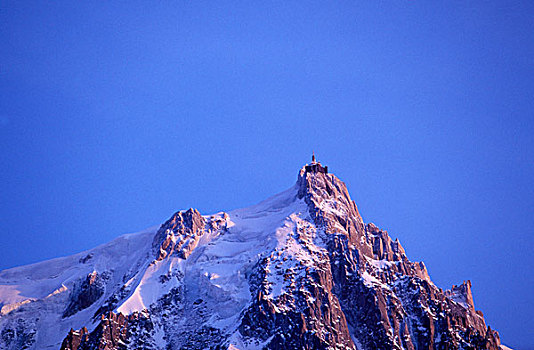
<point x="115" y="115"/>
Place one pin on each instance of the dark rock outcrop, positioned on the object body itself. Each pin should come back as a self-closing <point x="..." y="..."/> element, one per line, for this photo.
<point x="110" y="334"/>
<point x="181" y="234"/>
<point x="85" y="293"/>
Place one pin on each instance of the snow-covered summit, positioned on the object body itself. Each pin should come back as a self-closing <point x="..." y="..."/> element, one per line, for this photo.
<point x="300" y="270"/>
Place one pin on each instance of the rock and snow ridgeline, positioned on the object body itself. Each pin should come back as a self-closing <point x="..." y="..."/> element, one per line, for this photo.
<point x="299" y="270"/>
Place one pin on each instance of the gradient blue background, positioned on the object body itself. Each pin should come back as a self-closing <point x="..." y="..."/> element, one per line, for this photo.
<point x="115" y="115"/>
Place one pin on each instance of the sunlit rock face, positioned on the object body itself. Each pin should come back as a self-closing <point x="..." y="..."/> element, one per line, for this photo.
<point x="300" y="270"/>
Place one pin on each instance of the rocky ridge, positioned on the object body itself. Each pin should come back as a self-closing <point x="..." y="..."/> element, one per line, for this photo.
<point x="298" y="271"/>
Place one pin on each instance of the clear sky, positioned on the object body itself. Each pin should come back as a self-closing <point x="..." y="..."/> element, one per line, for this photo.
<point x="114" y="115"/>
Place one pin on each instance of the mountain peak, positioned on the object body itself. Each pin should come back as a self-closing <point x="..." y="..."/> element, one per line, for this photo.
<point x="300" y="270"/>
<point x="328" y="199"/>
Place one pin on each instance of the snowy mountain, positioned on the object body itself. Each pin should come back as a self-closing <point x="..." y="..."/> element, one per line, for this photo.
<point x="300" y="270"/>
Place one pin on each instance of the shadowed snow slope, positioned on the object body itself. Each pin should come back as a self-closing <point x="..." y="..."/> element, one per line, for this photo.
<point x="299" y="270"/>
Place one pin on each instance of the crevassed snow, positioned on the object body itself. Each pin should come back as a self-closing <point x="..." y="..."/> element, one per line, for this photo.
<point x="252" y="232"/>
<point x="149" y="288"/>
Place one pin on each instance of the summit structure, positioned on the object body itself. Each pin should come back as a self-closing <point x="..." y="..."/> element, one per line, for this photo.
<point x="316" y="167"/>
<point x="300" y="270"/>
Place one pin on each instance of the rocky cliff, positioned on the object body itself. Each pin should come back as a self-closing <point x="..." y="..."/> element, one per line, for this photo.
<point x="300" y="270"/>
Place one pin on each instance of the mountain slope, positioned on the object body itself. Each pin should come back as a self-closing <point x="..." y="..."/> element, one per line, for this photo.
<point x="299" y="270"/>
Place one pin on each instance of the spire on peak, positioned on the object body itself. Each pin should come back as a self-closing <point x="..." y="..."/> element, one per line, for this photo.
<point x="313" y="156"/>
